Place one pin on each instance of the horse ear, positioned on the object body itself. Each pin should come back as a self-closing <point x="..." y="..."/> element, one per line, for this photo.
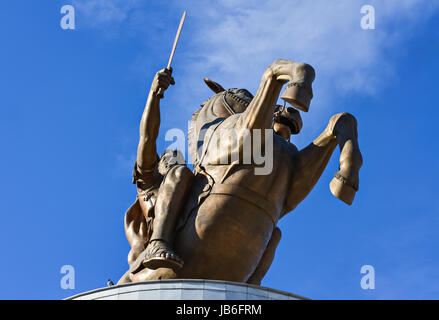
<point x="215" y="87"/>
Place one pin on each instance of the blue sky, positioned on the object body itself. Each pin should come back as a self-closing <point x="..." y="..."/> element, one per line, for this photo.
<point x="71" y="102"/>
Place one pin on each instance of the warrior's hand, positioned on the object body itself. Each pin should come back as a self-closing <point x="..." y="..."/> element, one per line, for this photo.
<point x="162" y="80"/>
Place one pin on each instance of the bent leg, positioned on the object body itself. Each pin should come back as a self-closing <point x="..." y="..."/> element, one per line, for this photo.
<point x="170" y="202"/>
<point x="346" y="180"/>
<point x="312" y="160"/>
<point x="267" y="259"/>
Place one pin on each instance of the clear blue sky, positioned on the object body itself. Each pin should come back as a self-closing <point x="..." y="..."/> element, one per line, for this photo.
<point x="71" y="102"/>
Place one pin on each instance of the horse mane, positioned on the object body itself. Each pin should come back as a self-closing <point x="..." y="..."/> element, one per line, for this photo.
<point x="241" y="99"/>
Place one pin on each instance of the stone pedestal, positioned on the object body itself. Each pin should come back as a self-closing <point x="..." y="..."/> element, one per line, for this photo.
<point x="186" y="290"/>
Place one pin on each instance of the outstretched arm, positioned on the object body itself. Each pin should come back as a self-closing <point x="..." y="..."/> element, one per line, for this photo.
<point x="150" y="123"/>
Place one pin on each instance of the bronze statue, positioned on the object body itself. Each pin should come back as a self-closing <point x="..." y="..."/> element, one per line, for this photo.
<point x="162" y="186"/>
<point x="221" y="221"/>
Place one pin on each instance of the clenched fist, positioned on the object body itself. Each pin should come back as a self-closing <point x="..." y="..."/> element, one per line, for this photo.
<point x="162" y="80"/>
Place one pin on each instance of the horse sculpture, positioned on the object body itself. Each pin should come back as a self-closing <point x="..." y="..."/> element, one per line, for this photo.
<point x="228" y="228"/>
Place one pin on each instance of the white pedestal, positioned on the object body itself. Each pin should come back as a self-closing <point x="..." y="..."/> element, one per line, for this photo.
<point x="182" y="289"/>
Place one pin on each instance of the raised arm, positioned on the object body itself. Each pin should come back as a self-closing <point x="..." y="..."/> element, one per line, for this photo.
<point x="150" y="123"/>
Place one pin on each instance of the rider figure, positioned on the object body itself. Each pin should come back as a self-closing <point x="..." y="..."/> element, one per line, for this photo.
<point x="162" y="186"/>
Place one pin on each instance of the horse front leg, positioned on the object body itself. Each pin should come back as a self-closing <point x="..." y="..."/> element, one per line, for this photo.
<point x="345" y="183"/>
<point x="259" y="113"/>
<point x="311" y="161"/>
<point x="309" y="164"/>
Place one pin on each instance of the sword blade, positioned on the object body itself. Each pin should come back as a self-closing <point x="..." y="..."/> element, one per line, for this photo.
<point x="176" y="38"/>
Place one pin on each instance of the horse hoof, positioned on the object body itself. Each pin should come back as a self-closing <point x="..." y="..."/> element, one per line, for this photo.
<point x="343" y="191"/>
<point x="298" y="95"/>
